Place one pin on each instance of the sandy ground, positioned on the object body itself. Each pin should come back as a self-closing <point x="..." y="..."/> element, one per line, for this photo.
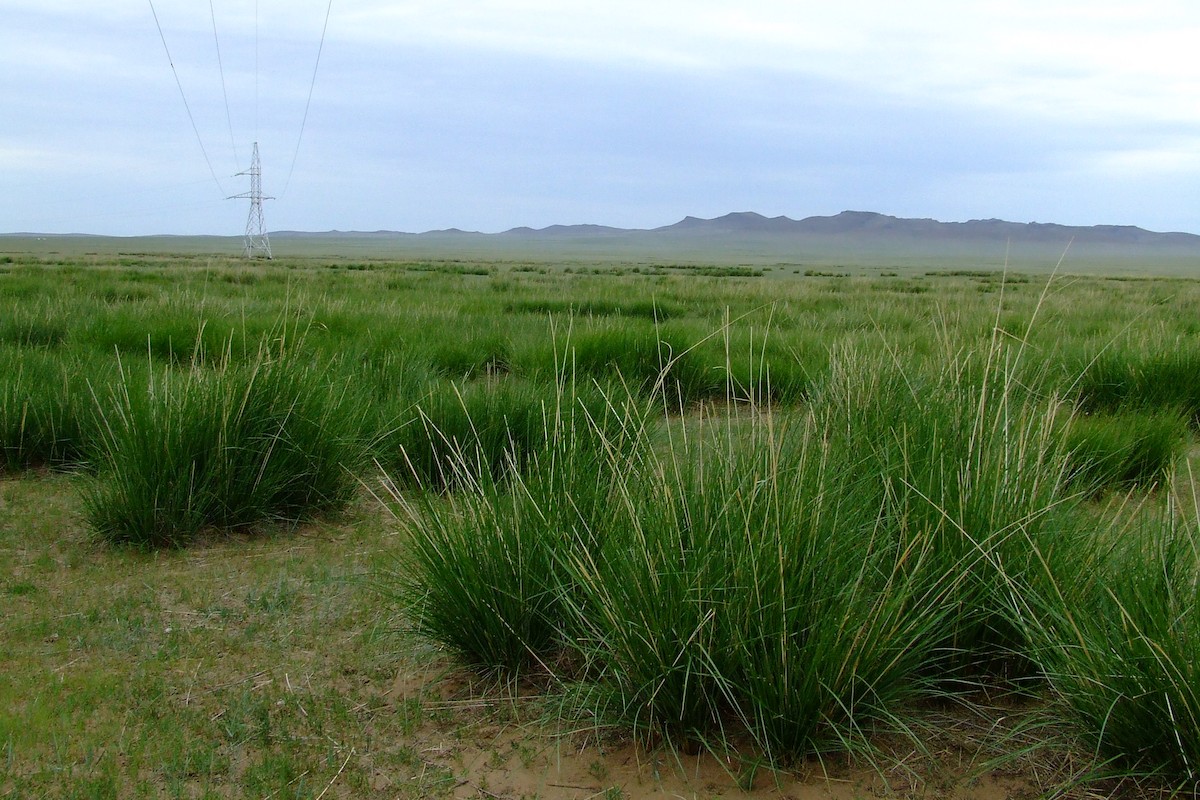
<point x="500" y="756"/>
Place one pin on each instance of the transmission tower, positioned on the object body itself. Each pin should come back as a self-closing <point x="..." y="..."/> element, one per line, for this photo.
<point x="257" y="243"/>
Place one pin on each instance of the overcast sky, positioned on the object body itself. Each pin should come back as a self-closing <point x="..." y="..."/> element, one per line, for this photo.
<point x="490" y="114"/>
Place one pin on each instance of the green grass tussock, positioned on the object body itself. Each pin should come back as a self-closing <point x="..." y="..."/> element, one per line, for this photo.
<point x="490" y="553"/>
<point x="1144" y="377"/>
<point x="167" y="336"/>
<point x="460" y="433"/>
<point x="1125" y="450"/>
<point x="964" y="458"/>
<point x="648" y="309"/>
<point x="459" y="356"/>
<point x="652" y="361"/>
<point x="748" y="366"/>
<point x="747" y="586"/>
<point x="230" y="447"/>
<point x="794" y="577"/>
<point x="47" y="418"/>
<point x="36" y="327"/>
<point x="1116" y="629"/>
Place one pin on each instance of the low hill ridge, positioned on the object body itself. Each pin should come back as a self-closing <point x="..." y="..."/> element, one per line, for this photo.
<point x="874" y="225"/>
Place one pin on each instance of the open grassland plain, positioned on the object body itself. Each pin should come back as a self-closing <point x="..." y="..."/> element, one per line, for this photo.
<point x="321" y="528"/>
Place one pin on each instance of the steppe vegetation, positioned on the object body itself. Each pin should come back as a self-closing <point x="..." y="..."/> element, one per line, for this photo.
<point x="320" y="528"/>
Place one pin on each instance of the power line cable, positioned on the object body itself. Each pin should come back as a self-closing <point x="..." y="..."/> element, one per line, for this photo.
<point x="311" y="86"/>
<point x="256" y="70"/>
<point x="224" y="91"/>
<point x="183" y="95"/>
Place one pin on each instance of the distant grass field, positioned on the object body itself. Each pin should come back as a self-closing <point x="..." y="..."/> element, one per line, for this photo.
<point x="344" y="527"/>
<point x="764" y="256"/>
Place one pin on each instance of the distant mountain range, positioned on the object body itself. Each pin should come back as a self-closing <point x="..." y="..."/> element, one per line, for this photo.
<point x="848" y="224"/>
<point x="872" y="225"/>
<point x="869" y="223"/>
<point x="851" y="237"/>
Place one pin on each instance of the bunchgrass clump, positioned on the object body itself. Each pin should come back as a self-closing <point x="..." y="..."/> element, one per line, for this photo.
<point x="180" y="337"/>
<point x="1115" y="628"/>
<point x="746" y="366"/>
<point x="1125" y="450"/>
<point x="46" y="416"/>
<point x="40" y="326"/>
<point x="746" y="584"/>
<point x="482" y="574"/>
<point x="465" y="432"/>
<point x="967" y="460"/>
<point x="655" y="362"/>
<point x="650" y="309"/>
<point x="468" y="355"/>
<point x="1144" y="378"/>
<point x="794" y="577"/>
<point x="270" y="441"/>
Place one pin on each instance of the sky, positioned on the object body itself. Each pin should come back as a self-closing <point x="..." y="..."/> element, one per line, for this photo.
<point x="491" y="114"/>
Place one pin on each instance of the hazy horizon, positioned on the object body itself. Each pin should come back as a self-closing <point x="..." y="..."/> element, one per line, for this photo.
<point x="581" y="225"/>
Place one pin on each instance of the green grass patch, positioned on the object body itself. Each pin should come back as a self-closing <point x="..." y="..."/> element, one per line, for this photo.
<point x="272" y="441"/>
<point x="966" y="459"/>
<point x="650" y="309"/>
<point x="1125" y="450"/>
<point x="1158" y="379"/>
<point x="1115" y="630"/>
<point x="491" y="551"/>
<point x="722" y="598"/>
<point x="792" y="570"/>
<point x="47" y="415"/>
<point x="460" y="433"/>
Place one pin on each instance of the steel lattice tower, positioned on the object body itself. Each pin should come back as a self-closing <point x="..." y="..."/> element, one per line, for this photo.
<point x="257" y="243"/>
